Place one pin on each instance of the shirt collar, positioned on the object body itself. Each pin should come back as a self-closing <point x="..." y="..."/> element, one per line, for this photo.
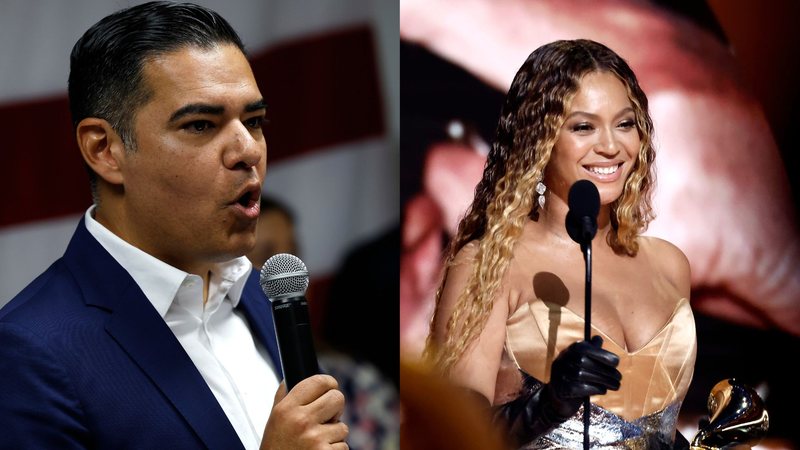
<point x="159" y="281"/>
<point x="236" y="271"/>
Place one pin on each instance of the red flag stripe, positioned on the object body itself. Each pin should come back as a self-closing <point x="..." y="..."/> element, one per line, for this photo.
<point x="320" y="92"/>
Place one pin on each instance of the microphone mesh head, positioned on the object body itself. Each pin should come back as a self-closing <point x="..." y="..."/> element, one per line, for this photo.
<point x="284" y="275"/>
<point x="584" y="199"/>
<point x="584" y="204"/>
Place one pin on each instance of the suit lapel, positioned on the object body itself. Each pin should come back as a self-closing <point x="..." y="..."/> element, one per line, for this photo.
<point x="137" y="327"/>
<point x="258" y="310"/>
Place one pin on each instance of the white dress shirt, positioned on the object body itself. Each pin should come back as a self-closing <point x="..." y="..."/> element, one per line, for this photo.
<point x="216" y="336"/>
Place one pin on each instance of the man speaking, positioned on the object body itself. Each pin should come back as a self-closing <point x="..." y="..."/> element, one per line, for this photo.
<point x="152" y="331"/>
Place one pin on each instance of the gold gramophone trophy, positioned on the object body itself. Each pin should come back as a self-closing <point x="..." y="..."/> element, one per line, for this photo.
<point x="737" y="418"/>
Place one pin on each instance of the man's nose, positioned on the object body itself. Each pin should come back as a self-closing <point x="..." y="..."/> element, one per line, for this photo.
<point x="243" y="149"/>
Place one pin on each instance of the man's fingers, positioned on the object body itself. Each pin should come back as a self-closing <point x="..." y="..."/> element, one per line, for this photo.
<point x="320" y="397"/>
<point x="280" y="393"/>
<point x="336" y="433"/>
<point x="312" y="388"/>
<point x="328" y="407"/>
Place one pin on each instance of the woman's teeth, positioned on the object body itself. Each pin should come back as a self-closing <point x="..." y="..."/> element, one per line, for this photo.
<point x="603" y="170"/>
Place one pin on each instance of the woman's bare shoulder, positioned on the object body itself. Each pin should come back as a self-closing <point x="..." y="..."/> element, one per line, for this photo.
<point x="669" y="260"/>
<point x="467" y="253"/>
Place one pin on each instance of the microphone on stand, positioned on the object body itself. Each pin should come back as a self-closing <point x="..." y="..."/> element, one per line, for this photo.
<point x="584" y="205"/>
<point x="581" y="223"/>
<point x="284" y="278"/>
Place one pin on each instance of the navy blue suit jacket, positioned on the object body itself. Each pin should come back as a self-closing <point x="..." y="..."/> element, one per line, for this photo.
<point x="87" y="362"/>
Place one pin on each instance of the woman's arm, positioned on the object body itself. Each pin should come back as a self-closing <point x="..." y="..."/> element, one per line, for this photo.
<point x="477" y="367"/>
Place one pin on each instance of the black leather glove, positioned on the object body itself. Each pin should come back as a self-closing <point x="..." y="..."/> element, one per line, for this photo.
<point x="581" y="370"/>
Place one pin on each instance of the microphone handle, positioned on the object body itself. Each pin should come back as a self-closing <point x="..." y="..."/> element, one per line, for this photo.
<point x="293" y="330"/>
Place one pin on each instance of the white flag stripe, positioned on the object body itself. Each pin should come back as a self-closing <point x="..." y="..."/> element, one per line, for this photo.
<point x="27" y="250"/>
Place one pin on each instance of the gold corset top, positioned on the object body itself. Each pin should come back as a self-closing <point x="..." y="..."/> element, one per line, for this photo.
<point x="653" y="377"/>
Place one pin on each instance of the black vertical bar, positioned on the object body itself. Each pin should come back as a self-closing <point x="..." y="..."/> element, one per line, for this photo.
<point x="587" y="334"/>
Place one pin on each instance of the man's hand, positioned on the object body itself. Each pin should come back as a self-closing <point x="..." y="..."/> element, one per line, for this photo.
<point x="307" y="417"/>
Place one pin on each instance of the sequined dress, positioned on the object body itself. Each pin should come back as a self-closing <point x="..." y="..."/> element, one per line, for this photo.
<point x="655" y="378"/>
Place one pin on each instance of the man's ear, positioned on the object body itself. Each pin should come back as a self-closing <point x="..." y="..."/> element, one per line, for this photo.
<point x="102" y="149"/>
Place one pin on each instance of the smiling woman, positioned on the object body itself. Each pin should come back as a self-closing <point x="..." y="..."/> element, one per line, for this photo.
<point x="509" y="313"/>
<point x="598" y="141"/>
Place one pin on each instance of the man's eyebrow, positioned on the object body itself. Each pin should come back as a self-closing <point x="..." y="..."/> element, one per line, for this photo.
<point x="196" y="108"/>
<point x="255" y="106"/>
<point x="204" y="108"/>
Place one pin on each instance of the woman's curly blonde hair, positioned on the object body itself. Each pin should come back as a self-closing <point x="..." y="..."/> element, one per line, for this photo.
<point x="531" y="117"/>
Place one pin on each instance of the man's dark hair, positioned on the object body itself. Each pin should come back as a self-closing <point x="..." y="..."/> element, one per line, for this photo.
<point x="105" y="78"/>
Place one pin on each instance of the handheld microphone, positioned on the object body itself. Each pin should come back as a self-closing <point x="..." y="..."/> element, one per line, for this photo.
<point x="581" y="222"/>
<point x="284" y="278"/>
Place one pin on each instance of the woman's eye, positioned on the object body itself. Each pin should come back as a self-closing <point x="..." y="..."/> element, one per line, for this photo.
<point x="627" y="124"/>
<point x="582" y="127"/>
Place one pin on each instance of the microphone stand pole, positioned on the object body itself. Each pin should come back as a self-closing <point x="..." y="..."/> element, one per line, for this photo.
<point x="587" y="330"/>
<point x="581" y="223"/>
